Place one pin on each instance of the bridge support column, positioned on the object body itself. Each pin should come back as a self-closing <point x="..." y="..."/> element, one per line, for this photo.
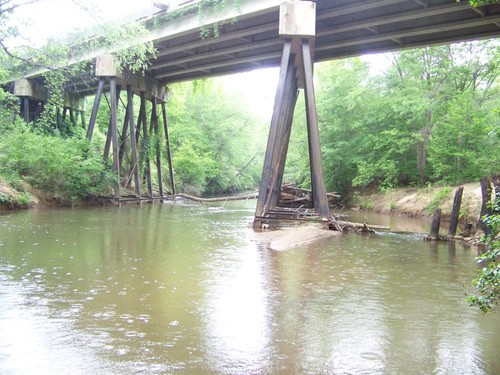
<point x="148" y="89"/>
<point x="297" y="26"/>
<point x="32" y="95"/>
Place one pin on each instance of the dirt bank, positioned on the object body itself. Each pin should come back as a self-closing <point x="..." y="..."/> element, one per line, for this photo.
<point x="421" y="202"/>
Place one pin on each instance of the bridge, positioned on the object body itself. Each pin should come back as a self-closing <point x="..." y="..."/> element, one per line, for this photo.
<point x="291" y="34"/>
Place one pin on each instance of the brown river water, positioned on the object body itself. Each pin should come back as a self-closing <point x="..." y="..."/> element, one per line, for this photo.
<point x="185" y="289"/>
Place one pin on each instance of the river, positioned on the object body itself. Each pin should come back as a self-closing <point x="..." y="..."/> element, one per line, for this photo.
<point x="185" y="289"/>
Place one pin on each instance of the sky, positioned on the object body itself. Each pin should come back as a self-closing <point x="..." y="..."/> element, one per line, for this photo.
<point x="50" y="18"/>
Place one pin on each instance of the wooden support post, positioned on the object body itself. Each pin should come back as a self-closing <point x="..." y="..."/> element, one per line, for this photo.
<point x="133" y="143"/>
<point x="95" y="109"/>
<point x="26" y="109"/>
<point x="455" y="211"/>
<point x="436" y="222"/>
<point x="145" y="139"/>
<point x="77" y="115"/>
<point x="320" y="199"/>
<point x="169" y="152"/>
<point x="71" y="116"/>
<point x="283" y="136"/>
<point x="58" y="118"/>
<point x="154" y="125"/>
<point x="107" y="146"/>
<point x="140" y="117"/>
<point x="114" y="134"/>
<point x="285" y="144"/>
<point x="35" y="112"/>
<point x="486" y="190"/>
<point x="273" y="139"/>
<point x="123" y="136"/>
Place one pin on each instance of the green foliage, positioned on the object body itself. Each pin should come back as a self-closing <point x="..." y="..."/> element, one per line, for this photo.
<point x="67" y="167"/>
<point x="488" y="280"/>
<point x="442" y="194"/>
<point x="217" y="144"/>
<point x="203" y="9"/>
<point x="477" y="3"/>
<point x="434" y="116"/>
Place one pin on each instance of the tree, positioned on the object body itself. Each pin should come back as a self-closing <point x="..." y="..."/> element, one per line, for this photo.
<point x="216" y="141"/>
<point x="488" y="281"/>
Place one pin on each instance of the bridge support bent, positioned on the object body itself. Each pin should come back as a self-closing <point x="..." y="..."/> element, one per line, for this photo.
<point x="297" y="25"/>
<point x="116" y="144"/>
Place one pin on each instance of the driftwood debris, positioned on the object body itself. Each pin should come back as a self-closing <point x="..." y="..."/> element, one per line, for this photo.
<point x="290" y="196"/>
<point x="334" y="223"/>
<point x="218" y="199"/>
<point x="293" y="195"/>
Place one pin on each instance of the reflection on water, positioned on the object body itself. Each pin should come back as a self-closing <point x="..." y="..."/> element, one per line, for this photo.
<point x="174" y="288"/>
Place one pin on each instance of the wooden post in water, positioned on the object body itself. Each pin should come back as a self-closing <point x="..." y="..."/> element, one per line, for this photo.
<point x="318" y="188"/>
<point x="145" y="139"/>
<point x="486" y="190"/>
<point x="123" y="136"/>
<point x="169" y="152"/>
<point x="114" y="134"/>
<point x="455" y="212"/>
<point x="107" y="146"/>
<point x="133" y="142"/>
<point x="154" y="125"/>
<point x="436" y="222"/>
<point x="273" y="139"/>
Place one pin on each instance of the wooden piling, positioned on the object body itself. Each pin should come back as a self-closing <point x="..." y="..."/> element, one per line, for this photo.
<point x="284" y="119"/>
<point x="26" y="109"/>
<point x="273" y="138"/>
<point x="317" y="181"/>
<point x="123" y="136"/>
<point x="114" y="135"/>
<point x="486" y="190"/>
<point x="436" y="222"/>
<point x="145" y="139"/>
<point x="154" y="125"/>
<point x="107" y="146"/>
<point x="133" y="142"/>
<point x="169" y="152"/>
<point x="455" y="212"/>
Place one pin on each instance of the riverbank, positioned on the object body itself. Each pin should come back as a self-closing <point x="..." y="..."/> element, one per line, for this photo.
<point x="422" y="202"/>
<point x="411" y="202"/>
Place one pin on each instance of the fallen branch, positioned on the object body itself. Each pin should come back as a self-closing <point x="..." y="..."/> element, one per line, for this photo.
<point x="343" y="226"/>
<point x="218" y="199"/>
